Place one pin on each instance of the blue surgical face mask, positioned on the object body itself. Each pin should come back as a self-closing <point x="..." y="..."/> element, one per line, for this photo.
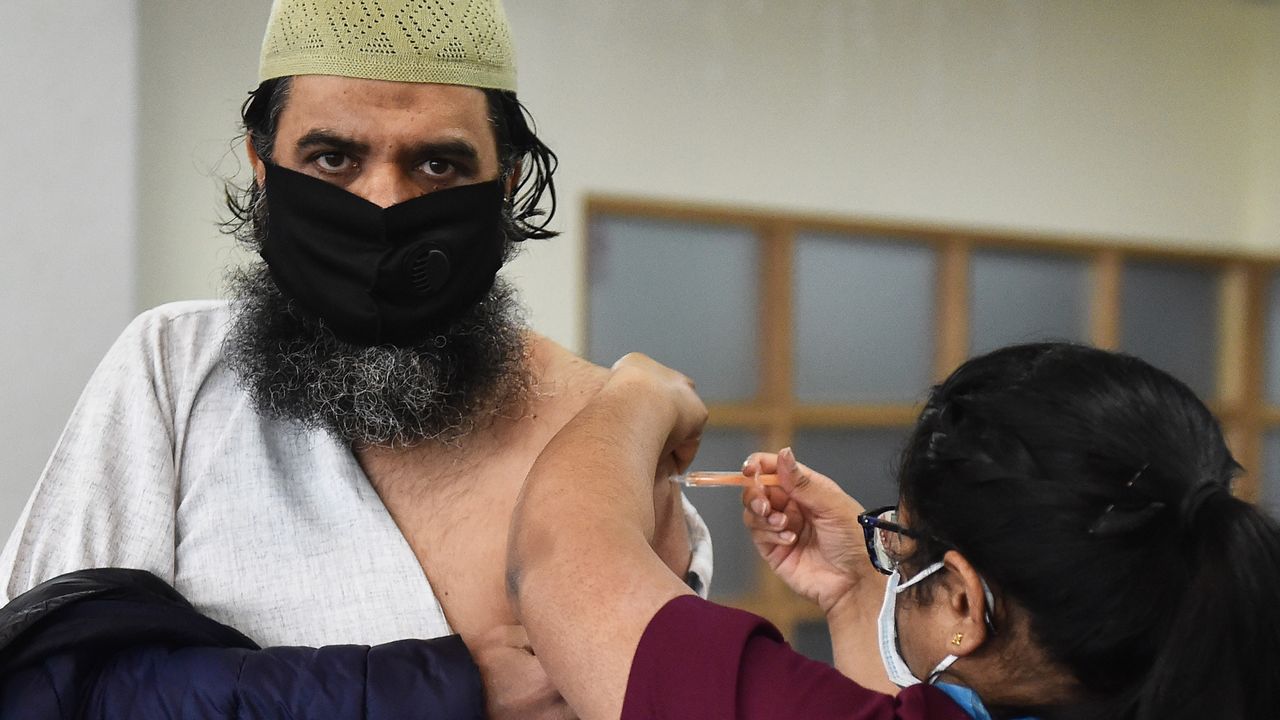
<point x="899" y="672"/>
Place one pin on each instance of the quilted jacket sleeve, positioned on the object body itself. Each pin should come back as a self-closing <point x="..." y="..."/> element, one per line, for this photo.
<point x="405" y="679"/>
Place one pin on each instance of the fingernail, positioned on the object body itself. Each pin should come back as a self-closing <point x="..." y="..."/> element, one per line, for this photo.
<point x="761" y="507"/>
<point x="777" y="519"/>
<point x="788" y="457"/>
<point x="787" y="537"/>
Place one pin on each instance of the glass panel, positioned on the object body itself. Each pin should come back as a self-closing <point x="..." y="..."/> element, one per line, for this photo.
<point x="681" y="293"/>
<point x="1273" y="342"/>
<point x="864" y="319"/>
<point x="1169" y="317"/>
<point x="863" y="462"/>
<point x="813" y="639"/>
<point x="1270" y="496"/>
<point x="1019" y="297"/>
<point x="721" y="508"/>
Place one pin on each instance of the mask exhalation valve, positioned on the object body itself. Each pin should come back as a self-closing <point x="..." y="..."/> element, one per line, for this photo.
<point x="429" y="270"/>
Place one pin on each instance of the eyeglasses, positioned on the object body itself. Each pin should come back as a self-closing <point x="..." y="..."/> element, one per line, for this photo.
<point x="887" y="545"/>
<point x="886" y="538"/>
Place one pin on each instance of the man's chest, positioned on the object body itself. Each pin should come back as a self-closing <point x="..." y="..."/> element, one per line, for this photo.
<point x="456" y="525"/>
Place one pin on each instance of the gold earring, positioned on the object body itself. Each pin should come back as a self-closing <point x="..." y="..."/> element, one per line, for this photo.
<point x="957" y="639"/>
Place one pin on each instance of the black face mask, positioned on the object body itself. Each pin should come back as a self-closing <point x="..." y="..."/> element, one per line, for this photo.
<point x="381" y="275"/>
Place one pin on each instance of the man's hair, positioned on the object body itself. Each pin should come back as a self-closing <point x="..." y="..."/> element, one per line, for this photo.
<point x="519" y="152"/>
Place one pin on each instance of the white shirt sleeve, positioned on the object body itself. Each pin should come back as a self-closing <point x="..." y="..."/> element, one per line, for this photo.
<point x="700" y="562"/>
<point x="107" y="496"/>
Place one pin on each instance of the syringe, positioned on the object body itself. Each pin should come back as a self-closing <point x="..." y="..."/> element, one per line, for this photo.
<point x="720" y="478"/>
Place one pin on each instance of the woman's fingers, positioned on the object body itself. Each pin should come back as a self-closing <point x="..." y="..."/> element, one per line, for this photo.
<point x="794" y="514"/>
<point x="769" y="540"/>
<point x="773" y="521"/>
<point x="691" y="412"/>
<point x="776" y="521"/>
<point x="760" y="462"/>
<point x="756" y="499"/>
<point x="764" y="534"/>
<point x="764" y="500"/>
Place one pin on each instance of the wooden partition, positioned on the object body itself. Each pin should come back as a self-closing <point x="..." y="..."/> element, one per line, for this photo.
<point x="775" y="415"/>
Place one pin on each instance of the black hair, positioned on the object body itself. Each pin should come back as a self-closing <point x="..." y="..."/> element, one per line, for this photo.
<point x="1094" y="490"/>
<point x="520" y="151"/>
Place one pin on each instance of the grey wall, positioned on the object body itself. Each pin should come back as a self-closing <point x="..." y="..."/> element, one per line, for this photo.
<point x="198" y="61"/>
<point x="67" y="215"/>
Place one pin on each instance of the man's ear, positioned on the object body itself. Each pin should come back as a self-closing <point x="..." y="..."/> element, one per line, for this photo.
<point x="259" y="168"/>
<point x="966" y="605"/>
<point x="513" y="181"/>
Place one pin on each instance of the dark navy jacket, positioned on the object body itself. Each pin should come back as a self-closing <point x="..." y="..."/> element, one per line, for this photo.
<point x="112" y="644"/>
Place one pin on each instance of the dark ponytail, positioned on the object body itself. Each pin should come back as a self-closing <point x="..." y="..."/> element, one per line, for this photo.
<point x="1219" y="659"/>
<point x="1094" y="491"/>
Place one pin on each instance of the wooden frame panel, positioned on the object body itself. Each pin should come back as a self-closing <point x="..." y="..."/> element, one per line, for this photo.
<point x="1104" y="310"/>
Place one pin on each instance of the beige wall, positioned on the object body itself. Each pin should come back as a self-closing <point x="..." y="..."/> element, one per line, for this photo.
<point x="1263" y="215"/>
<point x="1152" y="119"/>
<point x="1117" y="119"/>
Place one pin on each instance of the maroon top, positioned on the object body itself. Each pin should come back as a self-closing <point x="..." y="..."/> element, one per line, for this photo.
<point x="701" y="660"/>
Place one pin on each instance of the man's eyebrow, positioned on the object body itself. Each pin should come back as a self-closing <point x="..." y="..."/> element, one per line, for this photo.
<point x="452" y="149"/>
<point x="328" y="138"/>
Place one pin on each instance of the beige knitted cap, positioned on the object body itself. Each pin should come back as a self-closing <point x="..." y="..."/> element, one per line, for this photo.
<point x="455" y="42"/>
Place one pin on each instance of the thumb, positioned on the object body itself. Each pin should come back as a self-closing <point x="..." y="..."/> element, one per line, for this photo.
<point x="508" y="636"/>
<point x="813" y="491"/>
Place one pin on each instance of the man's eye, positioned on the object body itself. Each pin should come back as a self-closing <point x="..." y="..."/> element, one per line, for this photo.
<point x="437" y="167"/>
<point x="333" y="162"/>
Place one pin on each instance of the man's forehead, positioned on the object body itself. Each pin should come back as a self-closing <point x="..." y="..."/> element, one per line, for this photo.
<point x="318" y="93"/>
<point x="358" y="106"/>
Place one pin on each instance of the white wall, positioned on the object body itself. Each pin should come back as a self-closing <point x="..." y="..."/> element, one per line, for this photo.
<point x="67" y="216"/>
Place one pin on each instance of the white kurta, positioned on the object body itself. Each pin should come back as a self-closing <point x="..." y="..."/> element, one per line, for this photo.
<point x="166" y="466"/>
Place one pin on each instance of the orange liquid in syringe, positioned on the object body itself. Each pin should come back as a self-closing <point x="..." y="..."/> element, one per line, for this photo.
<point x="736" y="479"/>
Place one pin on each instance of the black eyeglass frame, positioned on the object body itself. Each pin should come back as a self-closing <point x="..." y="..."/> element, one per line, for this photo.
<point x="870" y="522"/>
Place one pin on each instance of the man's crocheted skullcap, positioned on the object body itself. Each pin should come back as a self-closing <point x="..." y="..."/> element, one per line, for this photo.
<point x="455" y="42"/>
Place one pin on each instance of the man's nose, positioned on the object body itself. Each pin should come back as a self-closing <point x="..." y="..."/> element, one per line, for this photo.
<point x="385" y="186"/>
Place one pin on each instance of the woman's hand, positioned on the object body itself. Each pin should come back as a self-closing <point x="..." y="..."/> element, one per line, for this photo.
<point x="515" y="685"/>
<point x="806" y="528"/>
<point x="636" y="372"/>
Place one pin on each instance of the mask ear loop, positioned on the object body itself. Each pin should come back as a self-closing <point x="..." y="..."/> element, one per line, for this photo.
<point x="940" y="668"/>
<point x="919" y="576"/>
<point x="990" y="608"/>
<point x="950" y="660"/>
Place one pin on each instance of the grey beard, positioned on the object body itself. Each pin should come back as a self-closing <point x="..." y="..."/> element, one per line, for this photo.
<point x="295" y="368"/>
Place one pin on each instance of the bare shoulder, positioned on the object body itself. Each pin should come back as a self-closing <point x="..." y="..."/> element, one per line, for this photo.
<point x="563" y="380"/>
